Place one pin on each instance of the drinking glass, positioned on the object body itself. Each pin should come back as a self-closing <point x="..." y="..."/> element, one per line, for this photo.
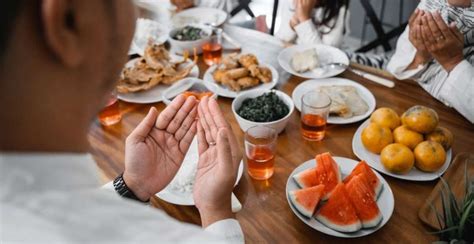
<point x="212" y="50"/>
<point x="110" y="114"/>
<point x="260" y="148"/>
<point x="314" y="114"/>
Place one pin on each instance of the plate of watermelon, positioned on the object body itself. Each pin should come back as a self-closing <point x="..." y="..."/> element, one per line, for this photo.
<point x="340" y="196"/>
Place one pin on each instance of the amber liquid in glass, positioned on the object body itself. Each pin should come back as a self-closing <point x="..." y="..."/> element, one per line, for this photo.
<point x="212" y="53"/>
<point x="313" y="127"/>
<point x="110" y="115"/>
<point x="261" y="163"/>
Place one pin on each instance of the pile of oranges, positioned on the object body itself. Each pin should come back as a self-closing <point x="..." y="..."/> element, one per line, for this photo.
<point x="412" y="140"/>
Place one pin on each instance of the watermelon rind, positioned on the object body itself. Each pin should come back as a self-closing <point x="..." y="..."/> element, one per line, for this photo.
<point x="341" y="228"/>
<point x="299" y="207"/>
<point x="378" y="190"/>
<point x="372" y="223"/>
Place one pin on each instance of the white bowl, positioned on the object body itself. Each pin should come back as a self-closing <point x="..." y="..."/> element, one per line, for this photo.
<point x="278" y="125"/>
<point x="180" y="46"/>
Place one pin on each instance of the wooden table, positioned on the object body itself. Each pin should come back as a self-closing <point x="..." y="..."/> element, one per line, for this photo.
<point x="266" y="216"/>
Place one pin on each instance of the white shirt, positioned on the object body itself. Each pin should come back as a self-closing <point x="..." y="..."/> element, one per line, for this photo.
<point x="454" y="89"/>
<point x="307" y="33"/>
<point x="55" y="198"/>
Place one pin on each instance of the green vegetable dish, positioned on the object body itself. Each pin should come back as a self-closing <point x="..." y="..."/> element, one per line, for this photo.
<point x="265" y="108"/>
<point x="189" y="33"/>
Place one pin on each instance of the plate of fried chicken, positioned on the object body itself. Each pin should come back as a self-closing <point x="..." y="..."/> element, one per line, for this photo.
<point x="144" y="79"/>
<point x="240" y="72"/>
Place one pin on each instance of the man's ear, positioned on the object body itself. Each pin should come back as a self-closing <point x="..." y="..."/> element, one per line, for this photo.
<point x="60" y="31"/>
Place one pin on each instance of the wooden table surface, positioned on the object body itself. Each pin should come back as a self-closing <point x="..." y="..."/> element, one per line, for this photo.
<point x="266" y="216"/>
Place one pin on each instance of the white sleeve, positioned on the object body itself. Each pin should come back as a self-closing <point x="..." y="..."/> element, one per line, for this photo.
<point x="228" y="229"/>
<point x="226" y="5"/>
<point x="285" y="32"/>
<point x="309" y="34"/>
<point x="404" y="55"/>
<point x="458" y="90"/>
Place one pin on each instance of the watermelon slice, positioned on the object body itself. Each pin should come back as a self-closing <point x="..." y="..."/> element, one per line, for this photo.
<point x="361" y="196"/>
<point x="311" y="177"/>
<point x="305" y="200"/>
<point x="306" y="178"/>
<point x="373" y="180"/>
<point x="339" y="213"/>
<point x="333" y="175"/>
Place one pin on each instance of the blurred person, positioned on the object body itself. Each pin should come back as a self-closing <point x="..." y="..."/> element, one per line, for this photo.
<point x="436" y="50"/>
<point x="72" y="52"/>
<point x="311" y="22"/>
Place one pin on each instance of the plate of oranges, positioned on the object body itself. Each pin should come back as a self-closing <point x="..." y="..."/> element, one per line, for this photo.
<point x="412" y="146"/>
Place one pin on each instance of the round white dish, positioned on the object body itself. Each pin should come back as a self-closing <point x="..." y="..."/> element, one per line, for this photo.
<point x="226" y="92"/>
<point x="172" y="195"/>
<point x="199" y="16"/>
<point x="179" y="47"/>
<point x="374" y="160"/>
<point x="327" y="54"/>
<point x="309" y="85"/>
<point x="385" y="201"/>
<point x="278" y="125"/>
<point x="155" y="94"/>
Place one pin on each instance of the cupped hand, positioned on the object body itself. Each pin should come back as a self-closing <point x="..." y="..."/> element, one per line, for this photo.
<point x="414" y="35"/>
<point x="445" y="43"/>
<point x="155" y="149"/>
<point x="219" y="159"/>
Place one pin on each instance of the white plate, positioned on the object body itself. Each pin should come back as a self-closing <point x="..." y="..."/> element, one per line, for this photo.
<point x="171" y="195"/>
<point x="385" y="201"/>
<point x="326" y="54"/>
<point x="309" y="85"/>
<point x="374" y="160"/>
<point x="199" y="16"/>
<point x="223" y="91"/>
<point x="155" y="94"/>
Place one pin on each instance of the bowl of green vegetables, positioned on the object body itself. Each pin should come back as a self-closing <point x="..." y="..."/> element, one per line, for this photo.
<point x="263" y="107"/>
<point x="188" y="37"/>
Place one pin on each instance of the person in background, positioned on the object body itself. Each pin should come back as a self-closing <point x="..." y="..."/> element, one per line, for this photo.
<point x="311" y="22"/>
<point x="226" y="5"/>
<point x="73" y="52"/>
<point x="437" y="51"/>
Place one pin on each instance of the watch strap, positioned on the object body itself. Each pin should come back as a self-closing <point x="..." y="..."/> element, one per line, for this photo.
<point x="122" y="189"/>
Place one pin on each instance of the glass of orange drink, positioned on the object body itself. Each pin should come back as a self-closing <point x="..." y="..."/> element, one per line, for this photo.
<point x="260" y="150"/>
<point x="314" y="114"/>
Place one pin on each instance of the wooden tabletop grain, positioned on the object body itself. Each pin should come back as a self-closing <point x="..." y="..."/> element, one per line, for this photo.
<point x="266" y="216"/>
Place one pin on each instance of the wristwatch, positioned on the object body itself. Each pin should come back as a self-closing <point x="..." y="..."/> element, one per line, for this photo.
<point x="122" y="189"/>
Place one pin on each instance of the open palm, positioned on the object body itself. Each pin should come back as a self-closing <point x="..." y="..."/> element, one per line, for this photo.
<point x="155" y="150"/>
<point x="219" y="158"/>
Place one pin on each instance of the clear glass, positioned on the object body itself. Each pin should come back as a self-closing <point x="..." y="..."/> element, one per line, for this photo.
<point x="212" y="50"/>
<point x="314" y="114"/>
<point x="110" y="114"/>
<point x="260" y="151"/>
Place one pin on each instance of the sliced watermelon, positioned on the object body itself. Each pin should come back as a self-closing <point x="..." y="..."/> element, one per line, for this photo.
<point x="306" y="178"/>
<point x="333" y="176"/>
<point x="361" y="196"/>
<point x="305" y="200"/>
<point x="339" y="213"/>
<point x="311" y="177"/>
<point x="373" y="180"/>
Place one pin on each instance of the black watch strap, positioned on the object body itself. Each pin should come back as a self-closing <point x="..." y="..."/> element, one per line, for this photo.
<point x="122" y="189"/>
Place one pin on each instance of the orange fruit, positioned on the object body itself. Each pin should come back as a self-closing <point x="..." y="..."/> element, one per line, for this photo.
<point x="420" y="119"/>
<point x="407" y="137"/>
<point x="442" y="136"/>
<point x="385" y="117"/>
<point x="397" y="158"/>
<point x="429" y="156"/>
<point x="375" y="137"/>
